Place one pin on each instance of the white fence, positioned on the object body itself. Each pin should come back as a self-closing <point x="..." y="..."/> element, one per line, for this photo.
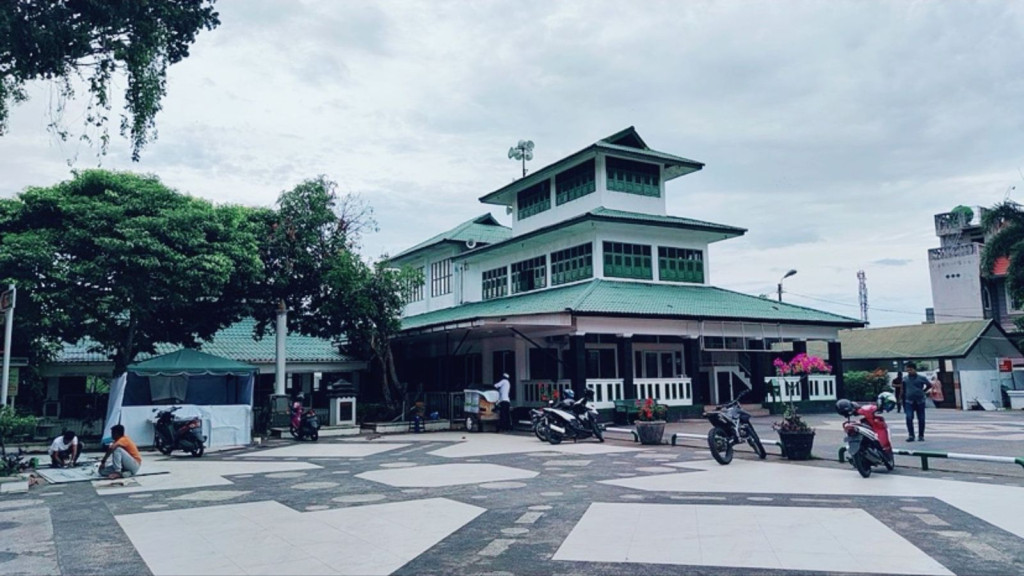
<point x="667" y="391"/>
<point x="819" y="387"/>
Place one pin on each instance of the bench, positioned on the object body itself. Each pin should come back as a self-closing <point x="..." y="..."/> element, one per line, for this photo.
<point x="924" y="455"/>
<point x="626" y="408"/>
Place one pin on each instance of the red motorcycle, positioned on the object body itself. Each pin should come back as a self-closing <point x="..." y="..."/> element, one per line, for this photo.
<point x="867" y="441"/>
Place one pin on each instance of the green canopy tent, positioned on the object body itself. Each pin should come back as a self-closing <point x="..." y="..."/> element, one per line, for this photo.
<point x="218" y="390"/>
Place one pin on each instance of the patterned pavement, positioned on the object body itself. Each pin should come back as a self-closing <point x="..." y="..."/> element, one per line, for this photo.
<point x="455" y="503"/>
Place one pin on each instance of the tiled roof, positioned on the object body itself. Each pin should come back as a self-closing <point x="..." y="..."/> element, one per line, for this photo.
<point x="482" y="229"/>
<point x="945" y="340"/>
<point x="234" y="342"/>
<point x="644" y="299"/>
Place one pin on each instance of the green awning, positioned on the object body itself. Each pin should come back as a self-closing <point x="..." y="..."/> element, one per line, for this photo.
<point x="186" y="361"/>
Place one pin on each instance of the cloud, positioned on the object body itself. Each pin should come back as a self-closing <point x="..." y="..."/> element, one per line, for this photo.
<point x="893" y="261"/>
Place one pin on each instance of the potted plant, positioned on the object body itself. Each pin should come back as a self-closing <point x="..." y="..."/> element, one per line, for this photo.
<point x="796" y="435"/>
<point x="650" y="422"/>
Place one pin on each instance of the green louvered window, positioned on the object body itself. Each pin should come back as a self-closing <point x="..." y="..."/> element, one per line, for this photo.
<point x="529" y="275"/>
<point x="534" y="200"/>
<point x="680" y="265"/>
<point x="575" y="183"/>
<point x="495" y="283"/>
<point x="633" y="177"/>
<point x="627" y="261"/>
<point x="572" y="264"/>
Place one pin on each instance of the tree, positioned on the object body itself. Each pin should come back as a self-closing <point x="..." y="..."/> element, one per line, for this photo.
<point x="65" y="40"/>
<point x="312" y="227"/>
<point x="1004" y="224"/>
<point x="128" y="262"/>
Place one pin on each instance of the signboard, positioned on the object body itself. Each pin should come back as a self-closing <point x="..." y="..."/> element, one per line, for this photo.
<point x="1004" y="364"/>
<point x="6" y="300"/>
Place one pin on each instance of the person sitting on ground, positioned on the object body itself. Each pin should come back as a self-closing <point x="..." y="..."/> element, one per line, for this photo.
<point x="125" y="459"/>
<point x="65" y="450"/>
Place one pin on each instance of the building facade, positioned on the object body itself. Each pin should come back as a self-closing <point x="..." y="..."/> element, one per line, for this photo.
<point x="594" y="286"/>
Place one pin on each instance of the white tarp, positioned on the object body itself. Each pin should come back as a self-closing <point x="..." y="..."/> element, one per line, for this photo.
<point x="227" y="425"/>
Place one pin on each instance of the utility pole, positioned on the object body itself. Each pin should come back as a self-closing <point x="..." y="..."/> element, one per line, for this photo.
<point x="863" y="281"/>
<point x="7" y="307"/>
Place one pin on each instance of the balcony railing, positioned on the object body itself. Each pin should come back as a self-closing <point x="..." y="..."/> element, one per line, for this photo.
<point x="819" y="387"/>
<point x="668" y="391"/>
<point x="957" y="251"/>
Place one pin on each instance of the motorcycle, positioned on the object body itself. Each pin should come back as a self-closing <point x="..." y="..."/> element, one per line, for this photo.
<point x="867" y="441"/>
<point x="573" y="419"/>
<point x="305" y="424"/>
<point x="538" y="418"/>
<point x="171" y="434"/>
<point x="731" y="426"/>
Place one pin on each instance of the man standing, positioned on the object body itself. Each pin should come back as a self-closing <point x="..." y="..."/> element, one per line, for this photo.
<point x="915" y="387"/>
<point x="504" y="405"/>
<point x="65" y="450"/>
<point x="125" y="459"/>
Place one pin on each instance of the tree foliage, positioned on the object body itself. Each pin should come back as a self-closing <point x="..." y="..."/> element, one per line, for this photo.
<point x="95" y="40"/>
<point x="1004" y="224"/>
<point x="127" y="262"/>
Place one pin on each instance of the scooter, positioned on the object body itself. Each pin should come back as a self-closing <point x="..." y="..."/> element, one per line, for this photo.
<point x="538" y="418"/>
<point x="731" y="426"/>
<point x="867" y="441"/>
<point x="577" y="420"/>
<point x="170" y="434"/>
<point x="305" y="424"/>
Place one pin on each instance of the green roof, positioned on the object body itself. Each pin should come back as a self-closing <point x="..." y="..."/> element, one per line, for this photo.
<point x="187" y="361"/>
<point x="234" y="342"/>
<point x="620" y="298"/>
<point x="626" y="143"/>
<point x="482" y="230"/>
<point x="602" y="214"/>
<point x="946" y="340"/>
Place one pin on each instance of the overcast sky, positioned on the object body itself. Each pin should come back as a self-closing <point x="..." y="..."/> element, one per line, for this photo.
<point x="832" y="131"/>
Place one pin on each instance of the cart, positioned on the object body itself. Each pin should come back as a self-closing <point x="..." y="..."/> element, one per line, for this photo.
<point x="479" y="408"/>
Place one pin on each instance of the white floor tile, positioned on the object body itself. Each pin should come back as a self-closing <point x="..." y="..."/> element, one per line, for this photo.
<point x="496" y="444"/>
<point x="327" y="450"/>
<point x="198" y="473"/>
<point x="774" y="538"/>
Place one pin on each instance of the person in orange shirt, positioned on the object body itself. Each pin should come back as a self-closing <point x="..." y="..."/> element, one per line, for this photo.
<point x="125" y="459"/>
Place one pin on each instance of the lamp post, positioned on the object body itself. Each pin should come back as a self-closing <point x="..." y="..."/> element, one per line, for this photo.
<point x="788" y="274"/>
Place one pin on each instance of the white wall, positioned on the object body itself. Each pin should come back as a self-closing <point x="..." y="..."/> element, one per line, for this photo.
<point x="956" y="288"/>
<point x="981" y="385"/>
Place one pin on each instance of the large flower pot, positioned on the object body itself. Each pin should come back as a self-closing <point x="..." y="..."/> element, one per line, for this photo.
<point x="650" y="432"/>
<point x="797" y="445"/>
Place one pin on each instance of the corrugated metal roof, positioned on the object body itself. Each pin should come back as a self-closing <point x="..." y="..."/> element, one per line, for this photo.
<point x="642" y="299"/>
<point x="482" y="229"/>
<point x="234" y="342"/>
<point x="946" y="340"/>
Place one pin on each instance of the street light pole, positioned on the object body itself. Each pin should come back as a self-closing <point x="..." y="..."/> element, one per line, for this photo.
<point x="788" y="274"/>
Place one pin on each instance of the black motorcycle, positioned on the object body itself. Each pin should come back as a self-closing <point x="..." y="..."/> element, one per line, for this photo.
<point x="731" y="426"/>
<point x="576" y="420"/>
<point x="308" y="426"/>
<point x="171" y="434"/>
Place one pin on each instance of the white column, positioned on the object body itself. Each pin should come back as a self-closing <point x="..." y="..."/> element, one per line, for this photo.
<point x="282" y="334"/>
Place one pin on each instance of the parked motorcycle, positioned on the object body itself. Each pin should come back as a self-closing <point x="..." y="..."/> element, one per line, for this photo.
<point x="305" y="424"/>
<point x="867" y="441"/>
<point x="731" y="426"/>
<point x="171" y="434"/>
<point x="576" y="420"/>
<point x="538" y="418"/>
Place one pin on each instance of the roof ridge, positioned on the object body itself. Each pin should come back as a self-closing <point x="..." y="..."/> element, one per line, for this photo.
<point x="585" y="294"/>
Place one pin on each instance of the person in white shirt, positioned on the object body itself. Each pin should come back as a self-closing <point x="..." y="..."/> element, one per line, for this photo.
<point x="504" y="405"/>
<point x="65" y="450"/>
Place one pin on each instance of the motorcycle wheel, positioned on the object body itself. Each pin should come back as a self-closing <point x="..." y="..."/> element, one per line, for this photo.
<point x="162" y="446"/>
<point x="198" y="451"/>
<point x="554" y="437"/>
<point x="471" y="424"/>
<point x="314" y="435"/>
<point x="540" y="430"/>
<point x="755" y="442"/>
<point x="862" y="465"/>
<point x="890" y="461"/>
<point x="295" y="433"/>
<point x="721" y="448"/>
<point x="596" y="428"/>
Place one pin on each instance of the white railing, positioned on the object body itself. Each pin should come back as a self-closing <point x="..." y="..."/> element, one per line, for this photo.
<point x="667" y="391"/>
<point x="785" y="388"/>
<point x="533" y="391"/>
<point x="821" y="387"/>
<point x="606" y="391"/>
